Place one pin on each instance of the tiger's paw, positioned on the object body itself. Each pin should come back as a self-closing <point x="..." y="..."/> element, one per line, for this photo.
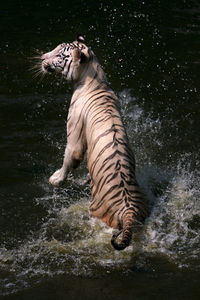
<point x="57" y="178"/>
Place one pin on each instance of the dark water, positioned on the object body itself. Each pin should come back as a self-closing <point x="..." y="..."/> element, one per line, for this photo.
<point x="49" y="246"/>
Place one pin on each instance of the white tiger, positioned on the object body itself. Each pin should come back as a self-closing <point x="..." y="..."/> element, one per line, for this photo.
<point x="94" y="124"/>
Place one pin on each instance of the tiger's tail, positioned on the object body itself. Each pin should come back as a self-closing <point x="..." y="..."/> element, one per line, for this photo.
<point x="126" y="235"/>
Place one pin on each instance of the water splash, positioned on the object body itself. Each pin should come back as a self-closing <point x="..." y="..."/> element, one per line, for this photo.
<point x="71" y="242"/>
<point x="172" y="228"/>
<point x="141" y="128"/>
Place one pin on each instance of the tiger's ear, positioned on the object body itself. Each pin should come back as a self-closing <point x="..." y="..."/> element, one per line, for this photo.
<point x="80" y="38"/>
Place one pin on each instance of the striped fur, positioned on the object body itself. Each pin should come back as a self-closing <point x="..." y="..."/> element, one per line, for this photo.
<point x="94" y="124"/>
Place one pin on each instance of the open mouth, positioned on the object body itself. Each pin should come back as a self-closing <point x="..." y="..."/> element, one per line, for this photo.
<point x="48" y="68"/>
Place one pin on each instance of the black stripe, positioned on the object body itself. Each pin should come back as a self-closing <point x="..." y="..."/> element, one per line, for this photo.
<point x="105" y="182"/>
<point x="99" y="182"/>
<point x="69" y="66"/>
<point x="115" y="203"/>
<point x="107" y="168"/>
<point x="116" y="195"/>
<point x="113" y="177"/>
<point x="81" y="131"/>
<point x="102" y="199"/>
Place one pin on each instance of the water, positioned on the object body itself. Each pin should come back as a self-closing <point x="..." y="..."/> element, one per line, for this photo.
<point x="50" y="246"/>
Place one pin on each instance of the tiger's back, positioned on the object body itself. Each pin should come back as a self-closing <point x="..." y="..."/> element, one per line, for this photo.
<point x="111" y="164"/>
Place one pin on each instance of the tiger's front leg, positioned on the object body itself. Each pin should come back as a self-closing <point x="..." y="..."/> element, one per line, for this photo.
<point x="72" y="159"/>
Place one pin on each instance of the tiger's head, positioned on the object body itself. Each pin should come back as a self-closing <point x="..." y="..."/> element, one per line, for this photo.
<point x="67" y="59"/>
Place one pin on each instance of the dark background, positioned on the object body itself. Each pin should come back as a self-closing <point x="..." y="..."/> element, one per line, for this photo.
<point x="150" y="53"/>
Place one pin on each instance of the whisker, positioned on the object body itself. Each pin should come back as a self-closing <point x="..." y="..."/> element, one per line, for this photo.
<point x="35" y="67"/>
<point x="42" y="77"/>
<point x="34" y="57"/>
<point x="37" y="72"/>
<point x="36" y="75"/>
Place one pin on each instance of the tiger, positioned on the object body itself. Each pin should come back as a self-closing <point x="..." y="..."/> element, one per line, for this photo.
<point x="94" y="124"/>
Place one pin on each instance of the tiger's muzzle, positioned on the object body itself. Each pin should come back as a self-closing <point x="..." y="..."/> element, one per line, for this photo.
<point x="47" y="67"/>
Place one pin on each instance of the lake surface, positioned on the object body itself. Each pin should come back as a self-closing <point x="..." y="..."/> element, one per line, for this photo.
<point x="50" y="248"/>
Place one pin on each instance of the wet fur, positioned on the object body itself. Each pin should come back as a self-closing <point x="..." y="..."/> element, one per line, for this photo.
<point x="94" y="124"/>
